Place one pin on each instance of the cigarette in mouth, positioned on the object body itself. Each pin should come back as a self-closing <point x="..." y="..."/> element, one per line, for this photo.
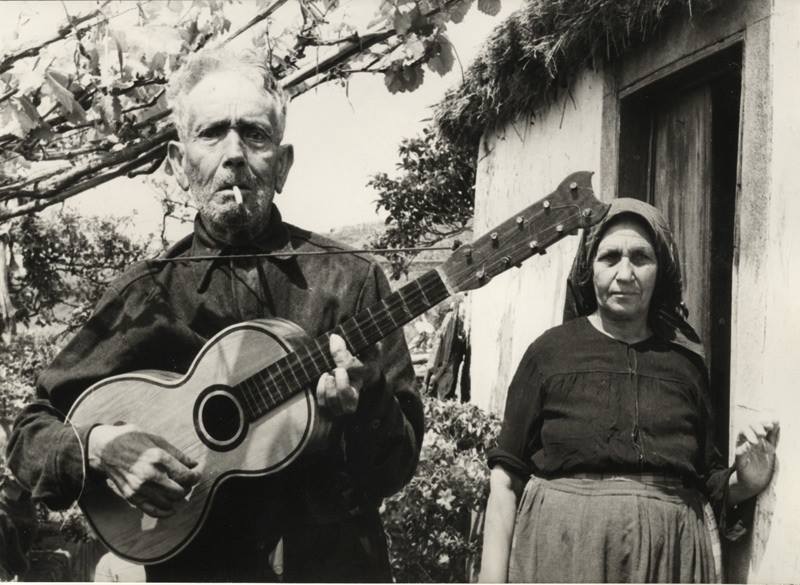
<point x="237" y="195"/>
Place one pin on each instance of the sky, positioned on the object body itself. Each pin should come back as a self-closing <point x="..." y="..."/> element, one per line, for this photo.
<point x="341" y="137"/>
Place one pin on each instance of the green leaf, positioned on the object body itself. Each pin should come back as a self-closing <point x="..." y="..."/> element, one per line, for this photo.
<point x="403" y="22"/>
<point x="17" y="120"/>
<point x="459" y="10"/>
<point x="442" y="60"/>
<point x="413" y="49"/>
<point x="400" y="78"/>
<point x="70" y="107"/>
<point x="490" y="7"/>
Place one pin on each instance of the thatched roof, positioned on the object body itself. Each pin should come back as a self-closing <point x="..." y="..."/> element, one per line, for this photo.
<point x="539" y="49"/>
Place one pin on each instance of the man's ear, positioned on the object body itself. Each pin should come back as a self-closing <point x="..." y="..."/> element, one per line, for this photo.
<point x="175" y="157"/>
<point x="285" y="160"/>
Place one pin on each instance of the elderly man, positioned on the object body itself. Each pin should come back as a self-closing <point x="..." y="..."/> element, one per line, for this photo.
<point x="230" y="116"/>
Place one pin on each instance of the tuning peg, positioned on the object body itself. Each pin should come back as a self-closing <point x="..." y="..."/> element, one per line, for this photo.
<point x="494" y="237"/>
<point x="573" y="185"/>
<point x="546" y="204"/>
<point x="456" y="244"/>
<point x="534" y="245"/>
<point x="481" y="274"/>
<point x="468" y="253"/>
<point x="520" y="221"/>
<point x="506" y="261"/>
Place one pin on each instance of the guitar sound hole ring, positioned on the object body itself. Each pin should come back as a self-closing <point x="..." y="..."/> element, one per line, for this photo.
<point x="219" y="418"/>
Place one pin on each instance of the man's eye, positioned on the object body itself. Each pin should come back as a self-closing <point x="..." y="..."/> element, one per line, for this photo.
<point x="255" y="135"/>
<point x="213" y="133"/>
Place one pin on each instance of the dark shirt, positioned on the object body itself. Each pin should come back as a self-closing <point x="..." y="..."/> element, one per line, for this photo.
<point x="158" y="316"/>
<point x="581" y="401"/>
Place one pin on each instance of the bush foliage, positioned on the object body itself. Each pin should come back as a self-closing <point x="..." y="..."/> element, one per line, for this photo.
<point x="429" y="522"/>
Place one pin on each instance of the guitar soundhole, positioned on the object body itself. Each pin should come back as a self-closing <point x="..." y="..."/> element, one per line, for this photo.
<point x="219" y="419"/>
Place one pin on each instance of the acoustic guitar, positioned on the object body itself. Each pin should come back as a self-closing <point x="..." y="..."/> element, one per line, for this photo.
<point x="246" y="406"/>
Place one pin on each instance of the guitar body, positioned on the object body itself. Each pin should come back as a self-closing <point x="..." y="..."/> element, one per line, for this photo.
<point x="200" y="415"/>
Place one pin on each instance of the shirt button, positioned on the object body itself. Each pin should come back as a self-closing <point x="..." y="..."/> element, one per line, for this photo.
<point x="375" y="424"/>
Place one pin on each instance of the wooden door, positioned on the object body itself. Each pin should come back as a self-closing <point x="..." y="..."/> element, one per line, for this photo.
<point x="681" y="189"/>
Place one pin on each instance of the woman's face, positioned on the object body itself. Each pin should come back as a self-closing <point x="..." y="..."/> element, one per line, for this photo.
<point x="625" y="269"/>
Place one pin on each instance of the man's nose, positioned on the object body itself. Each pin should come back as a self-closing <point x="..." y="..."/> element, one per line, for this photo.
<point x="233" y="151"/>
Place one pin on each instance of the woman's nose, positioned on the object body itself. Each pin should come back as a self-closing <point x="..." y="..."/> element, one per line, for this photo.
<point x="625" y="270"/>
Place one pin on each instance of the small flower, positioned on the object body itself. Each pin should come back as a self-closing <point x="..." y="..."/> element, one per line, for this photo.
<point x="445" y="499"/>
<point x="443" y="559"/>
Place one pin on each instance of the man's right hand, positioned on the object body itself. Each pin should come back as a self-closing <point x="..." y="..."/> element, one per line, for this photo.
<point x="146" y="470"/>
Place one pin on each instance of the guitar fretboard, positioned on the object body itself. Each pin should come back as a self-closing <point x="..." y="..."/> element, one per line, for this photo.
<point x="290" y="374"/>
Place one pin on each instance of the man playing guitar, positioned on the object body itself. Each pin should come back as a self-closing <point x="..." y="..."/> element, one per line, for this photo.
<point x="230" y="115"/>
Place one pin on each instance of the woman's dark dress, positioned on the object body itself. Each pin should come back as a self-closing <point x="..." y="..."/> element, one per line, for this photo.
<point x="582" y="403"/>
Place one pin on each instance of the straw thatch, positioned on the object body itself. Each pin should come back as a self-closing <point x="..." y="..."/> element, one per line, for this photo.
<point x="539" y="49"/>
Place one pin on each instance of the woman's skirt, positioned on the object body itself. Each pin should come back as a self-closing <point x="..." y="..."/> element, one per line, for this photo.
<point x="630" y="528"/>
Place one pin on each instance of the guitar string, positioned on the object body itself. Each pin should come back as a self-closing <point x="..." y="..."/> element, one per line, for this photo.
<point x="315" y="355"/>
<point x="281" y="368"/>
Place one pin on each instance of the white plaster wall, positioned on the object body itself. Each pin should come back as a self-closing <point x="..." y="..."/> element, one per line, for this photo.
<point x="774" y="371"/>
<point x="517" y="166"/>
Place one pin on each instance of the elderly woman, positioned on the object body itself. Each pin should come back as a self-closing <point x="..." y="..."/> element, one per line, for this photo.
<point x="605" y="465"/>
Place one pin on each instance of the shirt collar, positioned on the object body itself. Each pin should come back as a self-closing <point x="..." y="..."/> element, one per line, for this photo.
<point x="274" y="238"/>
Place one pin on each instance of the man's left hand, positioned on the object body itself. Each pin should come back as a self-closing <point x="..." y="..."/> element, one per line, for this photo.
<point x="338" y="391"/>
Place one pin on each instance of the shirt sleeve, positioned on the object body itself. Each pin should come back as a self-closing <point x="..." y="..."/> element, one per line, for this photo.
<point x="45" y="453"/>
<point x="383" y="439"/>
<point x="716" y="474"/>
<point x="521" y="419"/>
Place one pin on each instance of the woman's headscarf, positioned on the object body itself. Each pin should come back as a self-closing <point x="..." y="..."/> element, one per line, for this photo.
<point x="667" y="315"/>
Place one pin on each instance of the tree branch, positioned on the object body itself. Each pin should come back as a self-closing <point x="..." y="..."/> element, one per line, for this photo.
<point x="266" y="13"/>
<point x="63" y="32"/>
<point x="40" y="204"/>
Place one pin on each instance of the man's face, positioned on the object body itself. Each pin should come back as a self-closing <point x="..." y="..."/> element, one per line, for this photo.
<point x="232" y="139"/>
<point x="625" y="270"/>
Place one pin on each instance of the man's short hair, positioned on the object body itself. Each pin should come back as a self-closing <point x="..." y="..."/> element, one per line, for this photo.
<point x="251" y="63"/>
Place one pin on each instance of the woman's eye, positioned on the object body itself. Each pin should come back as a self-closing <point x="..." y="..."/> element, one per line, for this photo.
<point x="640" y="258"/>
<point x="608" y="257"/>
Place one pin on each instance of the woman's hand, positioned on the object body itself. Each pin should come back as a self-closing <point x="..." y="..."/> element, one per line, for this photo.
<point x="755" y="458"/>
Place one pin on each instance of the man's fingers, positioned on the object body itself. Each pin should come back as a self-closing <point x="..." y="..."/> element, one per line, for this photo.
<point x="342" y="378"/>
<point x="182" y="457"/>
<point x="178" y="466"/>
<point x="339" y="352"/>
<point x="336" y="394"/>
<point x="156" y="495"/>
<point x="153" y="510"/>
<point x="170" y="488"/>
<point x="325" y="387"/>
<point x="181" y="474"/>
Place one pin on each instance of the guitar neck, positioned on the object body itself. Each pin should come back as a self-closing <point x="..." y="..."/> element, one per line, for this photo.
<point x="289" y="375"/>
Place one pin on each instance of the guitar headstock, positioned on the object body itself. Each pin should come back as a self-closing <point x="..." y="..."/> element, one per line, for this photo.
<point x="571" y="206"/>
